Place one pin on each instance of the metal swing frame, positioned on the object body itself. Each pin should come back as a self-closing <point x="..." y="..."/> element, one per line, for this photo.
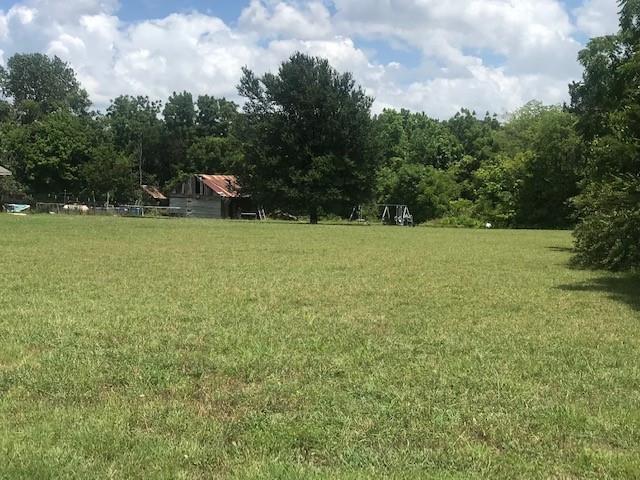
<point x="402" y="215"/>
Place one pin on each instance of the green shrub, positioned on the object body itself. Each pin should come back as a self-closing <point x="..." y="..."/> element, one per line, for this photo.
<point x="461" y="214"/>
<point x="458" y="221"/>
<point x="426" y="190"/>
<point x="608" y="235"/>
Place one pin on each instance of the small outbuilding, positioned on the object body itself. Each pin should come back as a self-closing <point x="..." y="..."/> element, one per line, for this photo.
<point x="210" y="196"/>
<point x="4" y="172"/>
<point x="153" y="196"/>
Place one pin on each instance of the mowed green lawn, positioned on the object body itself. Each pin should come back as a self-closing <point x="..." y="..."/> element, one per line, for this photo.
<point x="141" y="348"/>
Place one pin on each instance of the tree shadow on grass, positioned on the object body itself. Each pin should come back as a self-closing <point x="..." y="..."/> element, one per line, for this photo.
<point x="623" y="288"/>
<point x="561" y="249"/>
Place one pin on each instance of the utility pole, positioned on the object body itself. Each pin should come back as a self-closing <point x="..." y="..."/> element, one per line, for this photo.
<point x="140" y="160"/>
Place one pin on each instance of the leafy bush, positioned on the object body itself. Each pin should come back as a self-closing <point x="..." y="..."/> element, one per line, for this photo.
<point x="608" y="235"/>
<point x="461" y="214"/>
<point x="458" y="221"/>
<point x="11" y="190"/>
<point x="427" y="191"/>
<point x="498" y="185"/>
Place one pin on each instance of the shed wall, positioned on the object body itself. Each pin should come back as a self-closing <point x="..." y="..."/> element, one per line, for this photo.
<point x="200" y="208"/>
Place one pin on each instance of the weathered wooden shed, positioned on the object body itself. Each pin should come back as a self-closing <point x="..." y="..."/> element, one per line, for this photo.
<point x="153" y="196"/>
<point x="210" y="196"/>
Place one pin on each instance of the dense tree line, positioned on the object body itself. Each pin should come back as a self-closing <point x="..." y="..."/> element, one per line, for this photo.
<point x="57" y="147"/>
<point x="305" y="141"/>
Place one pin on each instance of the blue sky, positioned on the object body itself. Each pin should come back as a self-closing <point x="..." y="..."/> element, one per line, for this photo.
<point x="133" y="10"/>
<point x="431" y="55"/>
<point x="228" y="10"/>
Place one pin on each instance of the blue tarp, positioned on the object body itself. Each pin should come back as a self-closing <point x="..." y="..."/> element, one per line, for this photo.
<point x="16" y="208"/>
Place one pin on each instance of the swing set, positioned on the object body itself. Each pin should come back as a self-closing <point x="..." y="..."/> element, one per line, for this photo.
<point x="392" y="214"/>
<point x="401" y="215"/>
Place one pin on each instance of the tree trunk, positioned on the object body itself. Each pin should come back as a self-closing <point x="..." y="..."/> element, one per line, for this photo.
<point x="313" y="216"/>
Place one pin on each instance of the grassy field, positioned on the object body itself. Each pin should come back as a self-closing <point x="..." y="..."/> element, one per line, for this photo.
<point x="134" y="348"/>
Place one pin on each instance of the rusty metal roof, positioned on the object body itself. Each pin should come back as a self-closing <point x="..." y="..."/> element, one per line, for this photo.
<point x="4" y="172"/>
<point x="223" y="185"/>
<point x="153" y="192"/>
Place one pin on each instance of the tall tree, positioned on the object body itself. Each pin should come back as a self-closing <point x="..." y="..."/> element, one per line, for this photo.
<point x="474" y="134"/>
<point x="307" y="133"/>
<point x="543" y="142"/>
<point x="213" y="155"/>
<point x="139" y="133"/>
<point x="430" y="142"/>
<point x="391" y="135"/>
<point x="39" y="85"/>
<point x="108" y="170"/>
<point x="415" y="138"/>
<point x="216" y="117"/>
<point x="179" y="116"/>
<point x="179" y="112"/>
<point x="47" y="156"/>
<point x="533" y="171"/>
<point x="477" y="137"/>
<point x="607" y="101"/>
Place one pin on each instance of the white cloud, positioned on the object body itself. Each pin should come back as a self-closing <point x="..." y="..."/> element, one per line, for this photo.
<point x="598" y="17"/>
<point x="481" y="54"/>
<point x="445" y="96"/>
<point x="533" y="41"/>
<point x="61" y="10"/>
<point x="311" y="20"/>
<point x="528" y="33"/>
